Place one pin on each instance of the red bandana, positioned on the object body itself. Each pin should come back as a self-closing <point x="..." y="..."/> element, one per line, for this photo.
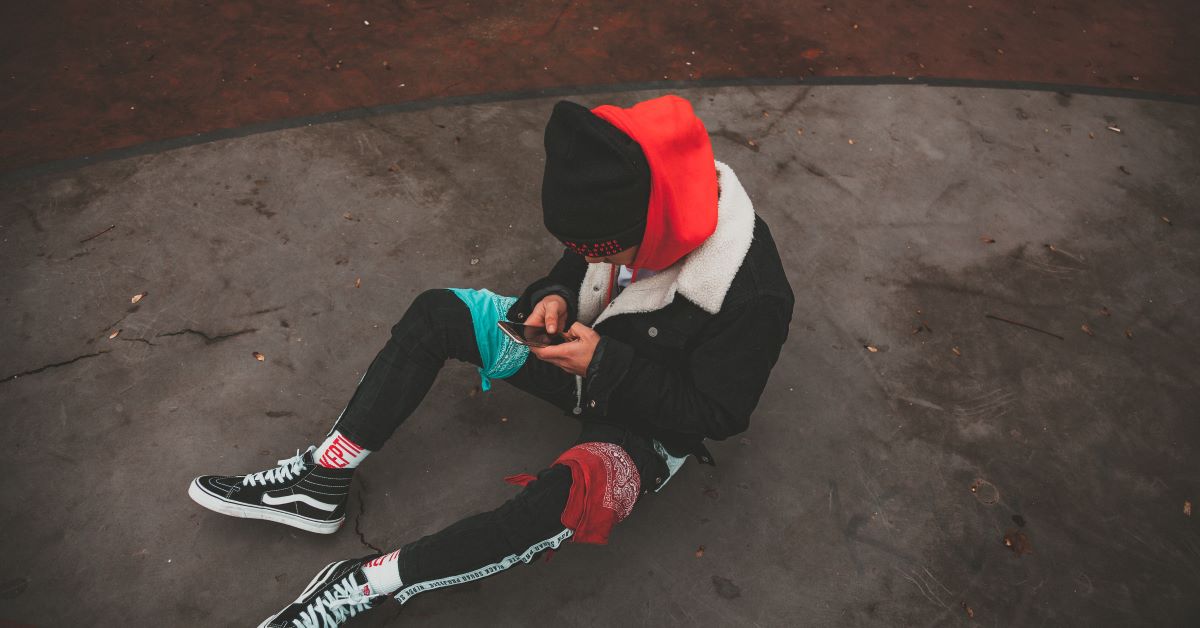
<point x="604" y="487"/>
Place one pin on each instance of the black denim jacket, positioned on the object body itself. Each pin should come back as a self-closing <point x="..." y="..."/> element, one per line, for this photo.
<point x="680" y="374"/>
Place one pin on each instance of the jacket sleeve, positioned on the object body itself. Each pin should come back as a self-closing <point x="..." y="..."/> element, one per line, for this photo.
<point x="564" y="280"/>
<point x="714" y="396"/>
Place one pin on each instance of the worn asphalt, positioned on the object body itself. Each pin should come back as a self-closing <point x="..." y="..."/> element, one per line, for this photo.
<point x="993" y="339"/>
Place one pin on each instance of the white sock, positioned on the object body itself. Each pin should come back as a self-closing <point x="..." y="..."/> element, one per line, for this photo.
<point x="383" y="573"/>
<point x="339" y="452"/>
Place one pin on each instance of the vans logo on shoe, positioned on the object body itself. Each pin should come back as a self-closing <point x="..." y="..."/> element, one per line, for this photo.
<point x="289" y="499"/>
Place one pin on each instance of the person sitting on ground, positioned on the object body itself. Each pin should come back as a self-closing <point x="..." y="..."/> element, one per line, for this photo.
<point x="675" y="305"/>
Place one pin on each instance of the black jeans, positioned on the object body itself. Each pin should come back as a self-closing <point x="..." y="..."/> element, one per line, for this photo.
<point x="436" y="327"/>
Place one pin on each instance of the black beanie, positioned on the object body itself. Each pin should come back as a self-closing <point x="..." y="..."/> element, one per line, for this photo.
<point x="597" y="184"/>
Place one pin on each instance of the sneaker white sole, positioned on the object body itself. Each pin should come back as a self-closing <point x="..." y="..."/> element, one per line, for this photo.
<point x="321" y="575"/>
<point x="216" y="503"/>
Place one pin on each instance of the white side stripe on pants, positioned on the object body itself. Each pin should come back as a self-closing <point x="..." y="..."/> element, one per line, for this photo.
<point x="508" y="561"/>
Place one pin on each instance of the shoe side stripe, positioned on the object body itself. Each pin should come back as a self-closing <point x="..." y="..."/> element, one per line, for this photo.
<point x="271" y="500"/>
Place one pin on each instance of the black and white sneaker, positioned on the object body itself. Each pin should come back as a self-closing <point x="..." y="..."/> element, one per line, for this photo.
<point x="298" y="492"/>
<point x="338" y="592"/>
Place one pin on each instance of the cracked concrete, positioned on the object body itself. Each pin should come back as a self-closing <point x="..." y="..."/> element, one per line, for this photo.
<point x="362" y="510"/>
<point x="848" y="502"/>
<point x="208" y="340"/>
<point x="47" y="367"/>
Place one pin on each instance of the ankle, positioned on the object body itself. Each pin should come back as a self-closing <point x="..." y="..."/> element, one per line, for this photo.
<point x="339" y="452"/>
<point x="383" y="573"/>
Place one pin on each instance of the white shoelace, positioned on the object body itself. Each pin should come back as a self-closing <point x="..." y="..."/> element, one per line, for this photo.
<point x="287" y="469"/>
<point x="342" y="601"/>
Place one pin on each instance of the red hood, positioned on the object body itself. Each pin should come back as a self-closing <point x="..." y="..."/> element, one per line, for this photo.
<point x="683" y="177"/>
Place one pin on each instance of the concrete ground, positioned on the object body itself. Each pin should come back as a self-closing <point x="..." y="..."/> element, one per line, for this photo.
<point x="910" y="427"/>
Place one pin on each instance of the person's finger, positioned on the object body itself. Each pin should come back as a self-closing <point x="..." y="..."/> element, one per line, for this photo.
<point x="553" y="352"/>
<point x="581" y="332"/>
<point x="536" y="316"/>
<point x="551" y="319"/>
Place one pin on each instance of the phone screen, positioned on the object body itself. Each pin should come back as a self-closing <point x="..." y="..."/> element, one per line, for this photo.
<point x="530" y="335"/>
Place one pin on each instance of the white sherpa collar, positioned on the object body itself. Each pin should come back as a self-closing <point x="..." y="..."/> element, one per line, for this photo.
<point x="702" y="276"/>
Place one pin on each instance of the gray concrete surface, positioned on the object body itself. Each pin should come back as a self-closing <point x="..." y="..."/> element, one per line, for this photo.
<point x="848" y="502"/>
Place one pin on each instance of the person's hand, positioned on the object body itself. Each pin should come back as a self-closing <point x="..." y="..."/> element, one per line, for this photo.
<point x="550" y="313"/>
<point x="574" y="356"/>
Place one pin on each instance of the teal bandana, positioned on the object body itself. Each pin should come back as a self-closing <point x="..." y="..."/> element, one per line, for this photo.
<point x="501" y="356"/>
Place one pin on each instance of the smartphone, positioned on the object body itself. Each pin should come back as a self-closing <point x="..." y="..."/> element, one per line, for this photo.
<point x="530" y="335"/>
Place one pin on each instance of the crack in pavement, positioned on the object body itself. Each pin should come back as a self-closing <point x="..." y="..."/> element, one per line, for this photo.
<point x="362" y="510"/>
<point x="138" y="340"/>
<point x="9" y="378"/>
<point x="208" y="340"/>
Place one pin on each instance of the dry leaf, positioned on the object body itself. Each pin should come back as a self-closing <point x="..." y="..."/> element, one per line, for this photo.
<point x="956" y="351"/>
<point x="872" y="348"/>
<point x="970" y="613"/>
<point x="752" y="142"/>
<point x="700" y="551"/>
<point x="1114" y="129"/>
<point x="1164" y="219"/>
<point x="358" y="282"/>
<point x="1128" y="333"/>
<point x="260" y="357"/>
<point x="851" y="142"/>
<point x="1104" y="311"/>
<point x="474" y="261"/>
<point x="114" y="334"/>
<point x="800" y="131"/>
<point x="138" y="297"/>
<point x="504" y="419"/>
<point x="347" y="216"/>
<point x="1018" y="542"/>
<point x="1187" y="508"/>
<point x="394" y="168"/>
<point x="1091" y="136"/>
<point x="986" y="240"/>
<point x="1087" y="329"/>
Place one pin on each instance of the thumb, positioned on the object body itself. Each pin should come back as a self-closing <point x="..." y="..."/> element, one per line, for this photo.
<point x="551" y="320"/>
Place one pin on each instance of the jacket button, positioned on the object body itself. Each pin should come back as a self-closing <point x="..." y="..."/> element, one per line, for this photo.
<point x="519" y="315"/>
<point x="653" y="331"/>
<point x="658" y="480"/>
<point x="595" y="288"/>
<point x="592" y="403"/>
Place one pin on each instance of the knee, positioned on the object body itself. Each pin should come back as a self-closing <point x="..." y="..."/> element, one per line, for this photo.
<point x="536" y="512"/>
<point x="431" y="301"/>
<point x="421" y="311"/>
